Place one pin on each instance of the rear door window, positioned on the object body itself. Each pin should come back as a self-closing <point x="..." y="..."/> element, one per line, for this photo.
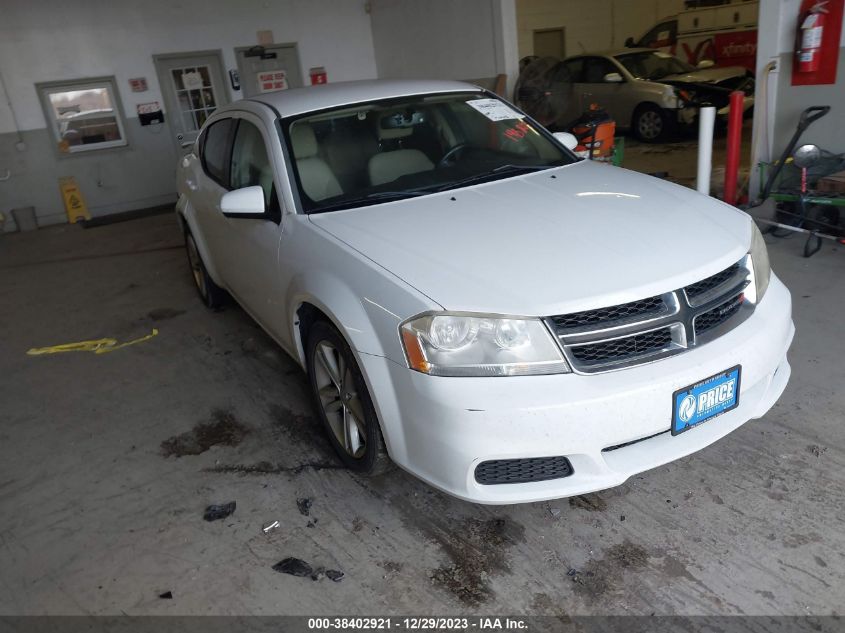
<point x="215" y="151"/>
<point x="575" y="67"/>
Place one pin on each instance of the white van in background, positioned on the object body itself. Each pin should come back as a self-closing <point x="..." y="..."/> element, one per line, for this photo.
<point x="724" y="31"/>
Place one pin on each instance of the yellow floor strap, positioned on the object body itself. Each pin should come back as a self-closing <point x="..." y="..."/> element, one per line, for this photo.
<point x="98" y="346"/>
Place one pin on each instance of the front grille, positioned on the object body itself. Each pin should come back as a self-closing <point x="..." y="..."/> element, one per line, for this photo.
<point x="718" y="315"/>
<point x="645" y="307"/>
<point x="520" y="471"/>
<point x="714" y="281"/>
<point x="622" y="349"/>
<point x="642" y="331"/>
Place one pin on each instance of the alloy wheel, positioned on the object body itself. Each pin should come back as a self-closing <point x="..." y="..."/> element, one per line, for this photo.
<point x="339" y="399"/>
<point x="650" y="124"/>
<point x="196" y="266"/>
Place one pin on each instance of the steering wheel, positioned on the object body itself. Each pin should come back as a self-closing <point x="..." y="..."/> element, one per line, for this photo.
<point x="450" y="156"/>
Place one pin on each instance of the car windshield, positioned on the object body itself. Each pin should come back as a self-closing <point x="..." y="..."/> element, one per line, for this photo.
<point x="653" y="65"/>
<point x="388" y="150"/>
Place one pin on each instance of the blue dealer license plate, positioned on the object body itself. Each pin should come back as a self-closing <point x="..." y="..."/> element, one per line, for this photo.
<point x="705" y="400"/>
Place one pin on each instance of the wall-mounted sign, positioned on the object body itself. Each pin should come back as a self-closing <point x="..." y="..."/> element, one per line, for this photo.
<point x="192" y="80"/>
<point x="138" y="84"/>
<point x="272" y="80"/>
<point x="318" y="75"/>
<point x="149" y="113"/>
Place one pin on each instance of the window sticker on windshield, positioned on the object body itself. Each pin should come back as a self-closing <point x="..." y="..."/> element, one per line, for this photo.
<point x="494" y="109"/>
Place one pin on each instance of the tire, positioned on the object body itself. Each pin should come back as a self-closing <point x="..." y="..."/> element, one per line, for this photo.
<point x="212" y="295"/>
<point x="651" y="123"/>
<point x="343" y="402"/>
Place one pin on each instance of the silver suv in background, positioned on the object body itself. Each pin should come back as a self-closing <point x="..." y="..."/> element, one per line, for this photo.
<point x="650" y="91"/>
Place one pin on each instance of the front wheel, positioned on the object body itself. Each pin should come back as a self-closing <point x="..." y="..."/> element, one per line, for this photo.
<point x="212" y="295"/>
<point x="344" y="403"/>
<point x="651" y="123"/>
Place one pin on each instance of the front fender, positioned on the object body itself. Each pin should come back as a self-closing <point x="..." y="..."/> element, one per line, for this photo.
<point x="369" y="320"/>
<point x="364" y="301"/>
<point x="188" y="222"/>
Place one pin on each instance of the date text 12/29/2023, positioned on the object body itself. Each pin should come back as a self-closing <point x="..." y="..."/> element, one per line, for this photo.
<point x="422" y="623"/>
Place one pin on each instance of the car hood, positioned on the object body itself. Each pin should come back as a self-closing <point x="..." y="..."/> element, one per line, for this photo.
<point x="557" y="241"/>
<point x="711" y="75"/>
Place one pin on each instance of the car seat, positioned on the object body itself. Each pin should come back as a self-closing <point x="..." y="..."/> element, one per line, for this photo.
<point x="316" y="178"/>
<point x="387" y="166"/>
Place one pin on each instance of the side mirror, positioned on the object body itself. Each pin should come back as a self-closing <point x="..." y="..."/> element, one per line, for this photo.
<point x="244" y="203"/>
<point x="629" y="43"/>
<point x="566" y="139"/>
<point x="613" y="78"/>
<point x="705" y="63"/>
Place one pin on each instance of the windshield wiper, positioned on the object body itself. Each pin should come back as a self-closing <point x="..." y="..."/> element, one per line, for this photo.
<point x="375" y="197"/>
<point x="501" y="169"/>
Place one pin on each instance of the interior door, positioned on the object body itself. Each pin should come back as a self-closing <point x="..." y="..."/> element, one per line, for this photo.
<point x="268" y="68"/>
<point x="192" y="87"/>
<point x="550" y="43"/>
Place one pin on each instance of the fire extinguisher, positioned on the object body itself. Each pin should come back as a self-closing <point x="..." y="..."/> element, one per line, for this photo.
<point x="810" y="33"/>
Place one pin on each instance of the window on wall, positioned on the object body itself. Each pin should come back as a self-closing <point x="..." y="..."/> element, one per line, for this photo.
<point x="85" y="115"/>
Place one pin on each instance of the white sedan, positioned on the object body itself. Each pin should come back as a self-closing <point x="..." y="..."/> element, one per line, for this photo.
<point x="471" y="301"/>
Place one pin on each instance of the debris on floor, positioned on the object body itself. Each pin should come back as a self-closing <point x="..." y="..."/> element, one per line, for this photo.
<point x="97" y="346"/>
<point x="334" y="575"/>
<point x="167" y="595"/>
<point x="270" y="527"/>
<point x="217" y="512"/>
<point x="304" y="505"/>
<point x="294" y="567"/>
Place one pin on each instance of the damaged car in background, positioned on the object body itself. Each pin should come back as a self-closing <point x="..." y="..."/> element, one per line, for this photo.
<point x="649" y="92"/>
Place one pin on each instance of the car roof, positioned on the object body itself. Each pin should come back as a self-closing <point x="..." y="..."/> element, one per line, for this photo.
<point x="312" y="98"/>
<point x="615" y="52"/>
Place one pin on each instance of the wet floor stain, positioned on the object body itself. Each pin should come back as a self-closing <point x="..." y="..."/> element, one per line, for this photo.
<point x="163" y="314"/>
<point x="304" y="429"/>
<point x="590" y="502"/>
<point x="477" y="549"/>
<point x="598" y="576"/>
<point x="224" y="429"/>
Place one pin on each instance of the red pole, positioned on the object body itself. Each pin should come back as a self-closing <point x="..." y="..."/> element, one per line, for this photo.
<point x="734" y="140"/>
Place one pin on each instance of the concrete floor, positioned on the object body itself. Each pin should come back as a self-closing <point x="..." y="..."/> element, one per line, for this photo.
<point x="679" y="158"/>
<point x="96" y="519"/>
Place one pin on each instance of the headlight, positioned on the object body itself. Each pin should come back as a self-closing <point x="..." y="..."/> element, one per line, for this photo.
<point x="760" y="263"/>
<point x="479" y="345"/>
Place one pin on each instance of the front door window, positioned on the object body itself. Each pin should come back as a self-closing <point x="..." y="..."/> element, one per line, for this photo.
<point x="194" y="94"/>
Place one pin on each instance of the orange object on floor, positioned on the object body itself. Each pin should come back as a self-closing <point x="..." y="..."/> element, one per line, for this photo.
<point x="595" y="130"/>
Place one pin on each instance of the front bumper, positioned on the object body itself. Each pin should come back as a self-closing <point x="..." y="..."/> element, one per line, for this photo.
<point x="440" y="429"/>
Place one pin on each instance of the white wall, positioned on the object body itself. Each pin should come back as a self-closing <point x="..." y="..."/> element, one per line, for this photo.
<point x="444" y="39"/>
<point x="590" y="25"/>
<point x="53" y="39"/>
<point x="49" y="40"/>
